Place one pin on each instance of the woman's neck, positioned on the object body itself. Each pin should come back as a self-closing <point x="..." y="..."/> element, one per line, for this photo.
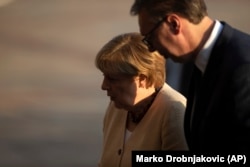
<point x="139" y="110"/>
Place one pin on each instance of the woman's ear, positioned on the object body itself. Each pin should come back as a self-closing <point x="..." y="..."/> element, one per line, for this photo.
<point x="142" y="81"/>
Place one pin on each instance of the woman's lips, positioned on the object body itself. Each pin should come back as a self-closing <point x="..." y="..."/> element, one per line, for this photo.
<point x="111" y="97"/>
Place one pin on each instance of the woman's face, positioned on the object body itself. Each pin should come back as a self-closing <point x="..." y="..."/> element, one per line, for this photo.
<point x="123" y="90"/>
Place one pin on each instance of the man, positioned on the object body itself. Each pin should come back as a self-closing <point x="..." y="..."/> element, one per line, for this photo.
<point x="218" y="108"/>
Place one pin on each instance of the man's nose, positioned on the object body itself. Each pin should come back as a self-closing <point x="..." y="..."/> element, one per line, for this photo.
<point x="151" y="48"/>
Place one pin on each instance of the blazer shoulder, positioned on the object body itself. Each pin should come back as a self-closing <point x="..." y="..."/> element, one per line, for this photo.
<point x="232" y="48"/>
<point x="170" y="100"/>
<point x="168" y="94"/>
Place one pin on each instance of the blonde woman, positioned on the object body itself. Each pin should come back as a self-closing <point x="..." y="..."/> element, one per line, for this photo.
<point x="144" y="112"/>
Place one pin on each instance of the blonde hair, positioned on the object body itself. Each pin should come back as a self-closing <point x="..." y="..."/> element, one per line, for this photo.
<point x="127" y="55"/>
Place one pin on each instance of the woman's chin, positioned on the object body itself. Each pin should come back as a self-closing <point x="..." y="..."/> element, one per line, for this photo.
<point x="120" y="105"/>
<point x="117" y="105"/>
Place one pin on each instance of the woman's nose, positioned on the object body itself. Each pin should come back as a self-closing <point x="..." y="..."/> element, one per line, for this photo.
<point x="105" y="84"/>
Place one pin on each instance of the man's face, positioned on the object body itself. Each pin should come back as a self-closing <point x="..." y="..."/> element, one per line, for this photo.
<point x="160" y="36"/>
<point x="149" y="30"/>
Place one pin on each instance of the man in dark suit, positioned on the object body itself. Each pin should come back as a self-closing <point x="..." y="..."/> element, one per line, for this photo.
<point x="218" y="107"/>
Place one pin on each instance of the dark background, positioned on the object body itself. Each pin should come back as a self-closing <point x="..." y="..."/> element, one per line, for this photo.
<point x="51" y="104"/>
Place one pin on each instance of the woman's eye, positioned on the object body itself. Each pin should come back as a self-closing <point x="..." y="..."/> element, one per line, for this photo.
<point x="114" y="79"/>
<point x="111" y="78"/>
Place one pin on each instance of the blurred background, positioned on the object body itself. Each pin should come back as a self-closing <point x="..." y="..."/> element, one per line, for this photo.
<point x="51" y="104"/>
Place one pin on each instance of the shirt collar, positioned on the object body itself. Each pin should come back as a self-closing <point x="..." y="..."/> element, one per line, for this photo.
<point x="203" y="56"/>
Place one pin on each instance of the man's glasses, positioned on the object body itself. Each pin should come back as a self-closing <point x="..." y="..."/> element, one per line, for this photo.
<point x="146" y="39"/>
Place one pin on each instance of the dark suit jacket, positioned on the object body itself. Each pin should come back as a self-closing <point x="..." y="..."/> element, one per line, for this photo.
<point x="221" y="118"/>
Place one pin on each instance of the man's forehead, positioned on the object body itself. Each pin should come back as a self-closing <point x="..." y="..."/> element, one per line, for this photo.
<point x="145" y="22"/>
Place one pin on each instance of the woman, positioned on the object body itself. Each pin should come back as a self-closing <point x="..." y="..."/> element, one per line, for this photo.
<point x="144" y="112"/>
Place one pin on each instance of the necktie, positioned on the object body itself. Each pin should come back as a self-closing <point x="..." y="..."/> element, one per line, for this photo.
<point x="197" y="82"/>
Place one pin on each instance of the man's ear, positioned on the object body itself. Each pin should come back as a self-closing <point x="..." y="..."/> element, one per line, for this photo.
<point x="174" y="23"/>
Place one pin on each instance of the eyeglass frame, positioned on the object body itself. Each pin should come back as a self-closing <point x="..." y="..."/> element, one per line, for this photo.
<point x="147" y="36"/>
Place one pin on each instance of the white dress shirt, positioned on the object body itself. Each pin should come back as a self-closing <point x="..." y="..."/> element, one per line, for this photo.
<point x="203" y="56"/>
